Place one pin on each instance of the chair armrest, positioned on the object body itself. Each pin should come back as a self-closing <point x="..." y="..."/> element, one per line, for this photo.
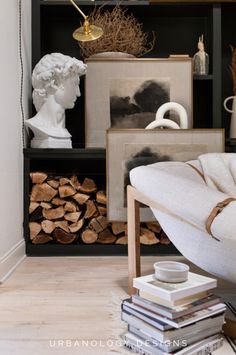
<point x="186" y="197"/>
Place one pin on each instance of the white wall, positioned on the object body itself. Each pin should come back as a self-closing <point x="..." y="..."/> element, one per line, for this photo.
<point x="11" y="157"/>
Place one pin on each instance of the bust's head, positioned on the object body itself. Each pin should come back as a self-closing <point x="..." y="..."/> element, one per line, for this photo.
<point x="57" y="74"/>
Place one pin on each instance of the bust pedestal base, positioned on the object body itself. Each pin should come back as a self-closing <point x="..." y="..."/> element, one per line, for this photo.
<point x="51" y="142"/>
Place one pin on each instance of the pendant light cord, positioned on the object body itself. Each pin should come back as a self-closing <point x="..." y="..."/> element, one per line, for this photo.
<point x="21" y="74"/>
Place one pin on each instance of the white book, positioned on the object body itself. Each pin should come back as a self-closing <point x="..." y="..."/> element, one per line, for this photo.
<point x="176" y="312"/>
<point x="160" y="322"/>
<point x="173" y="334"/>
<point x="174" y="291"/>
<point x="178" y="344"/>
<point x="202" y="347"/>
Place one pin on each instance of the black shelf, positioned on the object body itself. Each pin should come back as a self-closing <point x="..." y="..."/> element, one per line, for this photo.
<point x="33" y="153"/>
<point x="95" y="2"/>
<point x="203" y="77"/>
<point x="95" y="250"/>
<point x="177" y="26"/>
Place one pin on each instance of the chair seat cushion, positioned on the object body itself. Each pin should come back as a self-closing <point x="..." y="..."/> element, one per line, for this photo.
<point x="181" y="189"/>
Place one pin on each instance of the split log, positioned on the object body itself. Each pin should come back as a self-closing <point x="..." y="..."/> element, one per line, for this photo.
<point x="91" y="210"/>
<point x="106" y="237"/>
<point x="34" y="228"/>
<point x="102" y="210"/>
<point x="64" y="181"/>
<point x="48" y="226"/>
<point x="63" y="225"/>
<point x="38" y="177"/>
<point x="81" y="198"/>
<point x="89" y="236"/>
<point x="73" y="216"/>
<point x="148" y="237"/>
<point x="122" y="240"/>
<point x="33" y="206"/>
<point x="88" y="186"/>
<point x="98" y="224"/>
<point x="154" y="227"/>
<point x="42" y="192"/>
<point x="75" y="182"/>
<point x="66" y="190"/>
<point x="37" y="215"/>
<point x="63" y="237"/>
<point x="164" y="239"/>
<point x="53" y="183"/>
<point x="58" y="201"/>
<point x="54" y="213"/>
<point x="70" y="207"/>
<point x="46" y="205"/>
<point x="119" y="227"/>
<point x="42" y="239"/>
<point x="101" y="197"/>
<point x="75" y="227"/>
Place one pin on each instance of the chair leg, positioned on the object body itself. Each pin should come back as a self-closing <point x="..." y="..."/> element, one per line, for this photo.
<point x="133" y="238"/>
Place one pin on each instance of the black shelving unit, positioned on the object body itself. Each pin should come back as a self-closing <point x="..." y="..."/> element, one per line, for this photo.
<point x="84" y="163"/>
<point x="177" y="26"/>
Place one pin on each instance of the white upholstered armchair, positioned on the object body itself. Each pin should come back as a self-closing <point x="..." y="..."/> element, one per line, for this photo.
<point x="198" y="219"/>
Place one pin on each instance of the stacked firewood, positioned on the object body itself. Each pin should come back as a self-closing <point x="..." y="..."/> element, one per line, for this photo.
<point x="65" y="211"/>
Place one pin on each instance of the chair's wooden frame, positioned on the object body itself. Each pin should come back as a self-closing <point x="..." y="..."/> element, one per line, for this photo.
<point x="134" y="198"/>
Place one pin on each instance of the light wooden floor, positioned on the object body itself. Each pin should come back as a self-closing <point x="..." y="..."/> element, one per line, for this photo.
<point x="49" y="305"/>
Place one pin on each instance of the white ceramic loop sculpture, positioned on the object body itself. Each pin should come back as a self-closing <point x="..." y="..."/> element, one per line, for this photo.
<point x="55" y="80"/>
<point x="163" y="123"/>
<point x="160" y="121"/>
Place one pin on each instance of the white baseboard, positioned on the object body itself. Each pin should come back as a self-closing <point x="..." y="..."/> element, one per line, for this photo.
<point x="10" y="261"/>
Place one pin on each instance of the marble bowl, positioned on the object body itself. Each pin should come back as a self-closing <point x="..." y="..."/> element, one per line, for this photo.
<point x="171" y="271"/>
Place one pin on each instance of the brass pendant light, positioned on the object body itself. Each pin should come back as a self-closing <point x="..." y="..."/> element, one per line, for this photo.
<point x="87" y="32"/>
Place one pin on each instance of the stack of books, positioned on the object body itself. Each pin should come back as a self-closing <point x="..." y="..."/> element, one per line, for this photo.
<point x="169" y="318"/>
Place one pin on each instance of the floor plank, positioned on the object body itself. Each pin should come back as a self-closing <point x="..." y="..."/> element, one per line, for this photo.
<point x="50" y="305"/>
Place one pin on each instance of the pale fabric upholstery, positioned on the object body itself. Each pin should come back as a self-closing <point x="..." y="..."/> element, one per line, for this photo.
<point x="182" y="190"/>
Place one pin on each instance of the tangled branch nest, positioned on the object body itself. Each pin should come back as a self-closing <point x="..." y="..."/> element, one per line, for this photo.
<point x="233" y="68"/>
<point x="122" y="33"/>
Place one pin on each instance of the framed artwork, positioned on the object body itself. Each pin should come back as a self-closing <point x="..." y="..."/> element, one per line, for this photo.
<point x="126" y="93"/>
<point x="127" y="149"/>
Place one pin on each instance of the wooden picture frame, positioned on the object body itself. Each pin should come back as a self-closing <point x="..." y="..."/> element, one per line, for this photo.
<point x="127" y="147"/>
<point x="126" y="92"/>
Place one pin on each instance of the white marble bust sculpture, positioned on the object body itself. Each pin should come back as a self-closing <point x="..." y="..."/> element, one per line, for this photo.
<point x="55" y="81"/>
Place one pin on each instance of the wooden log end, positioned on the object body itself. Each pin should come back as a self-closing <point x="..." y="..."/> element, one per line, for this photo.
<point x="89" y="236"/>
<point x="34" y="228"/>
<point x="54" y="213"/>
<point x="72" y="216"/>
<point x="154" y="227"/>
<point x="66" y="191"/>
<point x="164" y="239"/>
<point x="53" y="183"/>
<point x="81" y="199"/>
<point x="58" y="201"/>
<point x="88" y="186"/>
<point x="38" y="177"/>
<point x="148" y="237"/>
<point x="119" y="227"/>
<point x="75" y="227"/>
<point x="75" y="182"/>
<point x="122" y="240"/>
<point x="48" y="226"/>
<point x="63" y="225"/>
<point x="101" y="197"/>
<point x="42" y="239"/>
<point x="70" y="206"/>
<point x="33" y="206"/>
<point x="106" y="237"/>
<point x="63" y="237"/>
<point x="91" y="210"/>
<point x="42" y="193"/>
